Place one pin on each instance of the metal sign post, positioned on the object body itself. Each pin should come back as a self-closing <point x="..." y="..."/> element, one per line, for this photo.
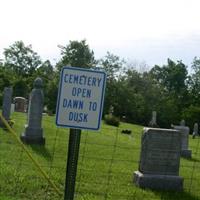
<point x="72" y="161"/>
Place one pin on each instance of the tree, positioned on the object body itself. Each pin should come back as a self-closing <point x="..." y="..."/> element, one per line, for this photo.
<point x="112" y="65"/>
<point x="21" y="87"/>
<point x="191" y="115"/>
<point x="51" y="94"/>
<point x="172" y="79"/>
<point x="129" y="103"/>
<point x="172" y="76"/>
<point x="45" y="70"/>
<point x="139" y="97"/>
<point x="21" y="59"/>
<point x="195" y="82"/>
<point x="76" y="54"/>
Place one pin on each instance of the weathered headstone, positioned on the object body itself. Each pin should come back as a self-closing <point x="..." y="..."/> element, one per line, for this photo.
<point x="182" y="122"/>
<point x="12" y="109"/>
<point x="111" y="110"/>
<point x="20" y="104"/>
<point x="195" y="130"/>
<point x="185" y="130"/>
<point x="7" y="100"/>
<point x="153" y="122"/>
<point x="33" y="131"/>
<point x="159" y="160"/>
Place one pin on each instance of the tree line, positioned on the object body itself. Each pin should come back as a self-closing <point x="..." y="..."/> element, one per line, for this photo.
<point x="169" y="89"/>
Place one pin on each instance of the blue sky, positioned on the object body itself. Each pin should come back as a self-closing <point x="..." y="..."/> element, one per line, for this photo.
<point x="142" y="30"/>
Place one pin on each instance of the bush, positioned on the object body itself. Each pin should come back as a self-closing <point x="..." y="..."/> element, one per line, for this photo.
<point x="111" y="120"/>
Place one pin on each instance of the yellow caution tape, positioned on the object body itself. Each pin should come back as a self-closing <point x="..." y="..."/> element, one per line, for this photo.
<point x="29" y="155"/>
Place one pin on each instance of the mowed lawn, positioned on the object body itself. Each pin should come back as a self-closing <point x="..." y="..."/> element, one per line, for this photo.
<point x="107" y="160"/>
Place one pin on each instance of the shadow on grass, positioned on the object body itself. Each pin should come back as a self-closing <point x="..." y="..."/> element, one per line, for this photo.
<point x="192" y="159"/>
<point x="42" y="151"/>
<point x="176" y="195"/>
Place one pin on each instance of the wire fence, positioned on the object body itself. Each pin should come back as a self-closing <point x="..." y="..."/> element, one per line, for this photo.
<point x="107" y="161"/>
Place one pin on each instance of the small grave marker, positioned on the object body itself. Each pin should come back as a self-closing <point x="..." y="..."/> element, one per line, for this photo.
<point x="185" y="130"/>
<point x="195" y="130"/>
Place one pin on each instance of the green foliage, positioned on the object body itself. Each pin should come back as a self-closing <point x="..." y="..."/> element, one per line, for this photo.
<point x="21" y="88"/>
<point x="195" y="82"/>
<point x="76" y="54"/>
<point x="168" y="113"/>
<point x="172" y="76"/>
<point x="21" y="67"/>
<point x="111" y="120"/>
<point x="174" y="96"/>
<point x="112" y="65"/>
<point x="45" y="70"/>
<point x="6" y="78"/>
<point x="51" y="95"/>
<point x="21" y="59"/>
<point x="191" y="115"/>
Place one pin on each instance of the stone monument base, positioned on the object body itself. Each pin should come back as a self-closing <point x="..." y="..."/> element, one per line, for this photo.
<point x="32" y="140"/>
<point x="186" y="153"/>
<point x="33" y="136"/>
<point x="158" y="182"/>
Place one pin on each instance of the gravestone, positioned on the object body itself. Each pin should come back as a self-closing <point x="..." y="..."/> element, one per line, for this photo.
<point x="7" y="100"/>
<point x="111" y="110"/>
<point x="12" y="109"/>
<point x="153" y="122"/>
<point x="182" y="122"/>
<point x="159" y="160"/>
<point x="195" y="130"/>
<point x="33" y="131"/>
<point x="20" y="104"/>
<point x="185" y="130"/>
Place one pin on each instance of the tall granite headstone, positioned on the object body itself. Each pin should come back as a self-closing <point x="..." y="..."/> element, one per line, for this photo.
<point x="185" y="130"/>
<point x="7" y="100"/>
<point x="111" y="110"/>
<point x="195" y="130"/>
<point x="153" y="122"/>
<point x="182" y="122"/>
<point x="159" y="160"/>
<point x="33" y="130"/>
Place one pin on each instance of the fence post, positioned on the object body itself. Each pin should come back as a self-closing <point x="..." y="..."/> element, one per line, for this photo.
<point x="72" y="161"/>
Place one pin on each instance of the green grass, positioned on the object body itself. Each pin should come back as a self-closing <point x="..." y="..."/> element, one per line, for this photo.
<point x="107" y="161"/>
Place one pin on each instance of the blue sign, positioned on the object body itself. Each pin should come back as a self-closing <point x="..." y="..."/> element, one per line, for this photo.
<point x="80" y="98"/>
